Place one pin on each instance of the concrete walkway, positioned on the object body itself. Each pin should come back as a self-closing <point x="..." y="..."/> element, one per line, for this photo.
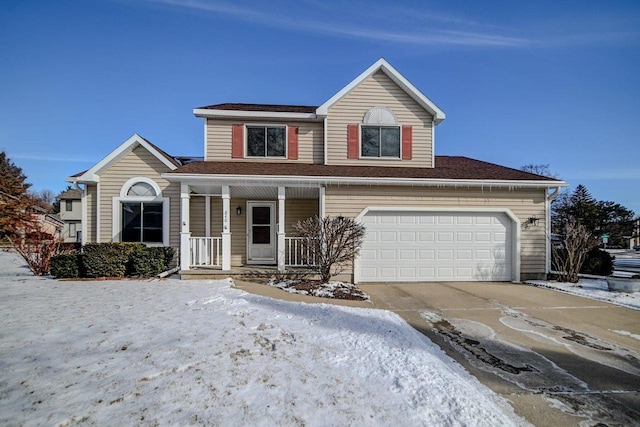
<point x="558" y="359"/>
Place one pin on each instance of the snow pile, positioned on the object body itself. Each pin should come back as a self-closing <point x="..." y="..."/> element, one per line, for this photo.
<point x="201" y="352"/>
<point x="596" y="289"/>
<point x="317" y="288"/>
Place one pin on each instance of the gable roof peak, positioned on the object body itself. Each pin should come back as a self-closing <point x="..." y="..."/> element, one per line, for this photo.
<point x="91" y="175"/>
<point x="384" y="66"/>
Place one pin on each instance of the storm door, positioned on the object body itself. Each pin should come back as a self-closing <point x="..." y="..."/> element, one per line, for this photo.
<point x="261" y="232"/>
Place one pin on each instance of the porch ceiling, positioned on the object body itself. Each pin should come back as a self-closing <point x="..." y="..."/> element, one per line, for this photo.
<point x="256" y="192"/>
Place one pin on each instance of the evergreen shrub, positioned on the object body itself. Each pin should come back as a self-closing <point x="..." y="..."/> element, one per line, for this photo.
<point x="65" y="266"/>
<point x="598" y="262"/>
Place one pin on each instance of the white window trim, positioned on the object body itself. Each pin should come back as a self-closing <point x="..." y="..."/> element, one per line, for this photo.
<point x="266" y="125"/>
<point x="360" y="156"/>
<point x="131" y="182"/>
<point x="116" y="226"/>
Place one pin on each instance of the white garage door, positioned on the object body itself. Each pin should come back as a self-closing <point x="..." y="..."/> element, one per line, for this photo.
<point x="436" y="246"/>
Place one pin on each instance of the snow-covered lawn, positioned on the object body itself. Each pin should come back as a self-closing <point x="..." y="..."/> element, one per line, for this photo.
<point x="596" y="289"/>
<point x="202" y="352"/>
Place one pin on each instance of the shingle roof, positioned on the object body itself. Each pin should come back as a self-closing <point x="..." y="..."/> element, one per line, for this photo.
<point x="447" y="167"/>
<point x="71" y="194"/>
<point x="262" y="107"/>
<point x="162" y="152"/>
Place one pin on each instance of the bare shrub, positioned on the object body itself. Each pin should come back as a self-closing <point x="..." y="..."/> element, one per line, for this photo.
<point x="331" y="243"/>
<point x="571" y="252"/>
<point x="36" y="247"/>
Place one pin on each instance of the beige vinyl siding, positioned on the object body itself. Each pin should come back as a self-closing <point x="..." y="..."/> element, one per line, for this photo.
<point x="297" y="210"/>
<point x="379" y="91"/>
<point x="524" y="203"/>
<point x="218" y="140"/>
<point x="197" y="218"/>
<point x="91" y="227"/>
<point x="137" y="163"/>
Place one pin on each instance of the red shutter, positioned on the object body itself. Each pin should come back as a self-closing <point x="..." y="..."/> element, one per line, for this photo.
<point x="352" y="141"/>
<point x="237" y="142"/>
<point x="292" y="149"/>
<point x="407" y="137"/>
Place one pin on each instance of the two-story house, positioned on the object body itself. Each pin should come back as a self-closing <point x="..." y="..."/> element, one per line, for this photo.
<point x="71" y="215"/>
<point x="366" y="153"/>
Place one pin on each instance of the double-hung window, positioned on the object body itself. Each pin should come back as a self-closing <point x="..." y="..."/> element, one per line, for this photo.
<point x="380" y="141"/>
<point x="266" y="141"/>
<point x="380" y="134"/>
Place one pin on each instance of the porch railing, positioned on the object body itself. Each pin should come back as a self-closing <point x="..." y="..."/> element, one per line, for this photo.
<point x="205" y="251"/>
<point x="297" y="254"/>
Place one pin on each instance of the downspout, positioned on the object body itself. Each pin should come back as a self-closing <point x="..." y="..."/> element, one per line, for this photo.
<point x="326" y="133"/>
<point x="547" y="213"/>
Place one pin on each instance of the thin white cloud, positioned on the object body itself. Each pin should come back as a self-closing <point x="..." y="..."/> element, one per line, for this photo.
<point x="424" y="35"/>
<point x="618" y="174"/>
<point x="49" y="158"/>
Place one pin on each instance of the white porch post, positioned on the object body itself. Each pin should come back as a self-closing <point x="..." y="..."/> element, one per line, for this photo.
<point x="281" y="224"/>
<point x="185" y="234"/>
<point x="226" y="229"/>
<point x="207" y="214"/>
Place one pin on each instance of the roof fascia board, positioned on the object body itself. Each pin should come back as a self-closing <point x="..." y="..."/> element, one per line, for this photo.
<point x="203" y="112"/>
<point x="91" y="175"/>
<point x="363" y="181"/>
<point x="383" y="65"/>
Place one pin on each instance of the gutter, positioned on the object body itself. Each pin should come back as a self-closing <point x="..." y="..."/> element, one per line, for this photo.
<point x="265" y="180"/>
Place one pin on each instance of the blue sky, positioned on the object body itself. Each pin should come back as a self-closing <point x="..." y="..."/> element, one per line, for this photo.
<point x="547" y="82"/>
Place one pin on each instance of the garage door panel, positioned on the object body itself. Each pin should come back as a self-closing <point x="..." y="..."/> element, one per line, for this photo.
<point x="420" y="246"/>
<point x="407" y="236"/>
<point x="388" y="236"/>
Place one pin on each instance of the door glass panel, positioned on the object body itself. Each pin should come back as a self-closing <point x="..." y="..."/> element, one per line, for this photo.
<point x="261" y="215"/>
<point x="261" y="234"/>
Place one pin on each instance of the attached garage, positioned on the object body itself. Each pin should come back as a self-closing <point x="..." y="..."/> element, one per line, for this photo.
<point x="438" y="245"/>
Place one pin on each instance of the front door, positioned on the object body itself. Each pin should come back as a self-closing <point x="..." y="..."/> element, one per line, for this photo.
<point x="261" y="232"/>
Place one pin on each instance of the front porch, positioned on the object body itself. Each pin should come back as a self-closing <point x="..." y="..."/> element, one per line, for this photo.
<point x="240" y="229"/>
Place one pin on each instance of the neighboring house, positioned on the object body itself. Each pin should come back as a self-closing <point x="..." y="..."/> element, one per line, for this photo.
<point x="367" y="153"/>
<point x="71" y="215"/>
<point x="39" y="220"/>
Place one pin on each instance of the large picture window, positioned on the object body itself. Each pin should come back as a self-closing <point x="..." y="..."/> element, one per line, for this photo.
<point x="141" y="214"/>
<point x="142" y="222"/>
<point x="266" y="141"/>
<point x="380" y="141"/>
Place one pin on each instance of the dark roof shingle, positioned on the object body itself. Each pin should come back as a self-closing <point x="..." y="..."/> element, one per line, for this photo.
<point x="447" y="167"/>
<point x="262" y="107"/>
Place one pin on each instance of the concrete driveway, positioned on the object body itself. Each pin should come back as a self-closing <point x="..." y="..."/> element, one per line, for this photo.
<point x="558" y="358"/>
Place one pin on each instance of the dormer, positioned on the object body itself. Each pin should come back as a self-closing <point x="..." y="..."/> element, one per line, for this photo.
<point x="380" y="119"/>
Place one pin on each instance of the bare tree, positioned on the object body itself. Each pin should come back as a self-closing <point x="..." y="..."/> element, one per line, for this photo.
<point x="571" y="252"/>
<point x="332" y="243"/>
<point x="541" y="169"/>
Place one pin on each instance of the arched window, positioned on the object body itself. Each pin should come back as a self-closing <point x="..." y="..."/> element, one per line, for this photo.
<point x="141" y="213"/>
<point x="141" y="189"/>
<point x="380" y="134"/>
